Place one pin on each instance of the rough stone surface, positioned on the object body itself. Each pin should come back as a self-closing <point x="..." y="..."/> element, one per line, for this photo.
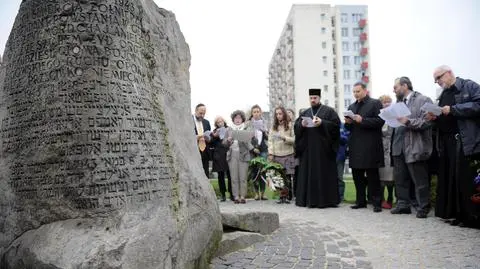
<point x="96" y="171"/>
<point x="237" y="240"/>
<point x="259" y="222"/>
<point x="345" y="238"/>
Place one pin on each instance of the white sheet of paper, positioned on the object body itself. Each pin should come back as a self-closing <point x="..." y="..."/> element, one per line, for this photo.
<point x="242" y="135"/>
<point x="391" y="113"/>
<point x="258" y="124"/>
<point x="207" y="133"/>
<point x="432" y="108"/>
<point x="276" y="136"/>
<point x="309" y="121"/>
<point x="395" y="111"/>
<point x="349" y="114"/>
<point x="222" y="132"/>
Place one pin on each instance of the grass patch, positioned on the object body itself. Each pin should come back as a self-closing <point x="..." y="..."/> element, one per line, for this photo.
<point x="349" y="190"/>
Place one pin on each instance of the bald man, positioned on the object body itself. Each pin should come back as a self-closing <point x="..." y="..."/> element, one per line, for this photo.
<point x="458" y="139"/>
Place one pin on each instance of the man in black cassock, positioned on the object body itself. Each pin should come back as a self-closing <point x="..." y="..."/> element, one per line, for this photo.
<point x="458" y="137"/>
<point x="317" y="145"/>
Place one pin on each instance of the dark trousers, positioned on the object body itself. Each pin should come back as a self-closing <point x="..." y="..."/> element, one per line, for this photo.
<point x="372" y="181"/>
<point x="205" y="162"/>
<point x="405" y="174"/>
<point x="221" y="183"/>
<point x="258" y="183"/>
<point x="341" y="183"/>
<point x="389" y="185"/>
<point x="293" y="193"/>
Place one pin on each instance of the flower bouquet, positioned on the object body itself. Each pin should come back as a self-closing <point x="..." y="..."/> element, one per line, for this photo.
<point x="270" y="172"/>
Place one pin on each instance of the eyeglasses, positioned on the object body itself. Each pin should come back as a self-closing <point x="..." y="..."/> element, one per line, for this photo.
<point x="437" y="78"/>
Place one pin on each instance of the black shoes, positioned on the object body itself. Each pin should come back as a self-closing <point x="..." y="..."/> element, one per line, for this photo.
<point x="356" y="206"/>
<point x="283" y="200"/>
<point x="223" y="199"/>
<point x="398" y="210"/>
<point x="422" y="214"/>
<point x="377" y="209"/>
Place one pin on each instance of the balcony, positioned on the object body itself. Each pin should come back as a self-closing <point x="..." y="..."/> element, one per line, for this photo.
<point x="365" y="79"/>
<point x="362" y="23"/>
<point x="364" y="52"/>
<point x="363" y="37"/>
<point x="364" y="65"/>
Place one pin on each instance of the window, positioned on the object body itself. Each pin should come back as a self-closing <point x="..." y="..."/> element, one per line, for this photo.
<point x="356" y="31"/>
<point x="322" y="16"/>
<point x="344" y="31"/>
<point x="345" y="46"/>
<point x="357" y="60"/>
<point x="358" y="74"/>
<point x="356" y="46"/>
<point x="347" y="103"/>
<point x="324" y="59"/>
<point x="344" y="17"/>
<point x="324" y="45"/>
<point x="325" y="88"/>
<point x="324" y="30"/>
<point x="356" y="17"/>
<point x="347" y="89"/>
<point x="325" y="73"/>
<point x="326" y="102"/>
<point x="346" y="74"/>
<point x="346" y="60"/>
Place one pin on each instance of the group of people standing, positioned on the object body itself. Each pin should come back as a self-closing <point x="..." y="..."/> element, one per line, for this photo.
<point x="313" y="149"/>
<point x="230" y="156"/>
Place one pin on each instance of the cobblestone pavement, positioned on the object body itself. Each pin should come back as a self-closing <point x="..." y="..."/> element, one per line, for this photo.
<point x="346" y="238"/>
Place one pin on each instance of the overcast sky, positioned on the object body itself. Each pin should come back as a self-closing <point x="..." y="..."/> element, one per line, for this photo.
<point x="231" y="44"/>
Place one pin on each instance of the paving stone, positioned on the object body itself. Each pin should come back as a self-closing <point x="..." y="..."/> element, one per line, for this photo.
<point x="348" y="239"/>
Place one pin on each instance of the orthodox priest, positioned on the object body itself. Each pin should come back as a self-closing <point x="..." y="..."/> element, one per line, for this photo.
<point x="317" y="135"/>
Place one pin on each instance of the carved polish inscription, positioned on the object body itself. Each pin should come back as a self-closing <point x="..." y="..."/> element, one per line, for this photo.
<point x="81" y="125"/>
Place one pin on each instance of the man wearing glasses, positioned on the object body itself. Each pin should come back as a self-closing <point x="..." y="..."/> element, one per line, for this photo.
<point x="458" y="144"/>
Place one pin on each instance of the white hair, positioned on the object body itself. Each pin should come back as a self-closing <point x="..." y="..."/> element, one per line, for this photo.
<point x="444" y="68"/>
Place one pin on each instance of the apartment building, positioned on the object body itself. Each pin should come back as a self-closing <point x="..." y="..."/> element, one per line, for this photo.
<point x="321" y="46"/>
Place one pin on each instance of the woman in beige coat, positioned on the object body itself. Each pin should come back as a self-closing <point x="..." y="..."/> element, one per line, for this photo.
<point x="281" y="150"/>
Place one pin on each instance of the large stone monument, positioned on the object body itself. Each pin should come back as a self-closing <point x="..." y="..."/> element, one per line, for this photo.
<point x="98" y="164"/>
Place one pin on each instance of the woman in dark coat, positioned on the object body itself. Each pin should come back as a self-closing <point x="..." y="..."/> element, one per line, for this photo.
<point x="220" y="164"/>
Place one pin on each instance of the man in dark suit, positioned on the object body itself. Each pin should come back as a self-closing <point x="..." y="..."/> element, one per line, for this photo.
<point x="366" y="147"/>
<point x="201" y="126"/>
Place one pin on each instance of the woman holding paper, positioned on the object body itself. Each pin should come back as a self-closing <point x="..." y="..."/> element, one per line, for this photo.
<point x="239" y="142"/>
<point x="220" y="164"/>
<point x="280" y="148"/>
<point x="257" y="125"/>
<point x="386" y="173"/>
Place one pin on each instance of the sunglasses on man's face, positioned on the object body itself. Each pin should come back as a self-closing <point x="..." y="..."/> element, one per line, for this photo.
<point x="437" y="78"/>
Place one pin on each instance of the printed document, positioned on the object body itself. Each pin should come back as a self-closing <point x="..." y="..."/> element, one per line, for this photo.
<point x="242" y="135"/>
<point x="348" y="114"/>
<point x="431" y="108"/>
<point x="309" y="121"/>
<point x="391" y="113"/>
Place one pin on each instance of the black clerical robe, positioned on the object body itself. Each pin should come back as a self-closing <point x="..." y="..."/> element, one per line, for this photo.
<point x="317" y="184"/>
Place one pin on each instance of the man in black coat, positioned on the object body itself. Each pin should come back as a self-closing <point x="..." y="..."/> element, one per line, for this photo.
<point x="458" y="137"/>
<point x="317" y="135"/>
<point x="366" y="147"/>
<point x="201" y="126"/>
